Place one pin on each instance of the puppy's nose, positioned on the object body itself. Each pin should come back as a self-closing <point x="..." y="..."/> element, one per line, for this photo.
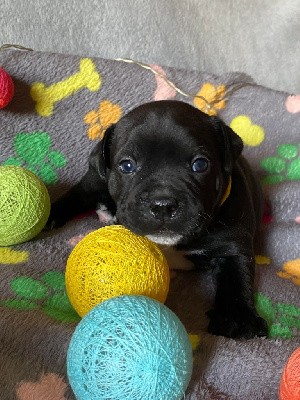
<point x="163" y="207"/>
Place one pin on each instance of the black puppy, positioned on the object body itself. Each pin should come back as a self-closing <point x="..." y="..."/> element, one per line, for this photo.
<point x="171" y="172"/>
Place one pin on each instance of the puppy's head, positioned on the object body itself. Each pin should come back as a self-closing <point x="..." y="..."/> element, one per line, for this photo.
<point x="168" y="166"/>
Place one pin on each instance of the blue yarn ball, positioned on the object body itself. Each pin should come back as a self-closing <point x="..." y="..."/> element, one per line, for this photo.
<point x="130" y="348"/>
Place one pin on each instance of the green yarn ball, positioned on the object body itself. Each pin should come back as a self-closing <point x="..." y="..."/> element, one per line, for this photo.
<point x="24" y="205"/>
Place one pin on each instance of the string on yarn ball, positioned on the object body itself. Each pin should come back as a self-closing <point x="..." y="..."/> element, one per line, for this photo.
<point x="6" y="88"/>
<point x="113" y="261"/>
<point x="290" y="382"/>
<point x="130" y="348"/>
<point x="24" y="205"/>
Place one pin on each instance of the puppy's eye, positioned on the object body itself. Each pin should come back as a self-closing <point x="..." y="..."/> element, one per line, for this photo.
<point x="127" y="166"/>
<point x="200" y="164"/>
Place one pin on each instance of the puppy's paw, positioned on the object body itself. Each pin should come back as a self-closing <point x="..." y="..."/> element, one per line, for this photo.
<point x="104" y="215"/>
<point x="57" y="218"/>
<point x="244" y="324"/>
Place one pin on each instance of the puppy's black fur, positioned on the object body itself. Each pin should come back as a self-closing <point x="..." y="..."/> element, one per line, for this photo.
<point x="162" y="171"/>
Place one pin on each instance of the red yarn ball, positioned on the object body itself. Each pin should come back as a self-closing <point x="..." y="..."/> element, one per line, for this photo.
<point x="290" y="382"/>
<point x="6" y="88"/>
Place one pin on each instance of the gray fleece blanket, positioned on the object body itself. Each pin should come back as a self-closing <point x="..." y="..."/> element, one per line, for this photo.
<point x="51" y="127"/>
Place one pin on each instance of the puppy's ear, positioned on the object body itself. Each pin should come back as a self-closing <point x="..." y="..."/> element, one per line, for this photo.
<point x="106" y="145"/>
<point x="230" y="144"/>
<point x="100" y="156"/>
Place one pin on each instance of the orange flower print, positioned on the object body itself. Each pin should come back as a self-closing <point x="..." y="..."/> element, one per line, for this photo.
<point x="291" y="271"/>
<point x="99" y="120"/>
<point x="214" y="96"/>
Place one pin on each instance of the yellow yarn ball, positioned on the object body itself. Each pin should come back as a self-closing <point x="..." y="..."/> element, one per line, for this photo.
<point x="113" y="261"/>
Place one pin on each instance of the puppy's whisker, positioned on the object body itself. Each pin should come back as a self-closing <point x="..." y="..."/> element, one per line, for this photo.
<point x="204" y="215"/>
<point x="222" y="223"/>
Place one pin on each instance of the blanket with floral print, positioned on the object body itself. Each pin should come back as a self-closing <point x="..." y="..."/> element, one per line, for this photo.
<point x="61" y="107"/>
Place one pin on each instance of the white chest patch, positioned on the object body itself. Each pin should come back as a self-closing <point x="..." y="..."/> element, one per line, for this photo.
<point x="164" y="239"/>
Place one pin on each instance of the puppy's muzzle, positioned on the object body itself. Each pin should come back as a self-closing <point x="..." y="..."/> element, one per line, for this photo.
<point x="163" y="208"/>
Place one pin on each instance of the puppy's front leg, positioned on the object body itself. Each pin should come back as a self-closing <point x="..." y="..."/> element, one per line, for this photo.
<point x="81" y="198"/>
<point x="234" y="314"/>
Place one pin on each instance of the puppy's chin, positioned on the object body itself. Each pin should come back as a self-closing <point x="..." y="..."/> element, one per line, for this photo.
<point x="165" y="238"/>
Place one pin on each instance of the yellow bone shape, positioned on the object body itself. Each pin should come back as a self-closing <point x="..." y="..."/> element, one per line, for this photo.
<point x="46" y="97"/>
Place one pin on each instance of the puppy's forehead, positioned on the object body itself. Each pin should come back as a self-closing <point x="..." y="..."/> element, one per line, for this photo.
<point x="165" y="111"/>
<point x="165" y="120"/>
